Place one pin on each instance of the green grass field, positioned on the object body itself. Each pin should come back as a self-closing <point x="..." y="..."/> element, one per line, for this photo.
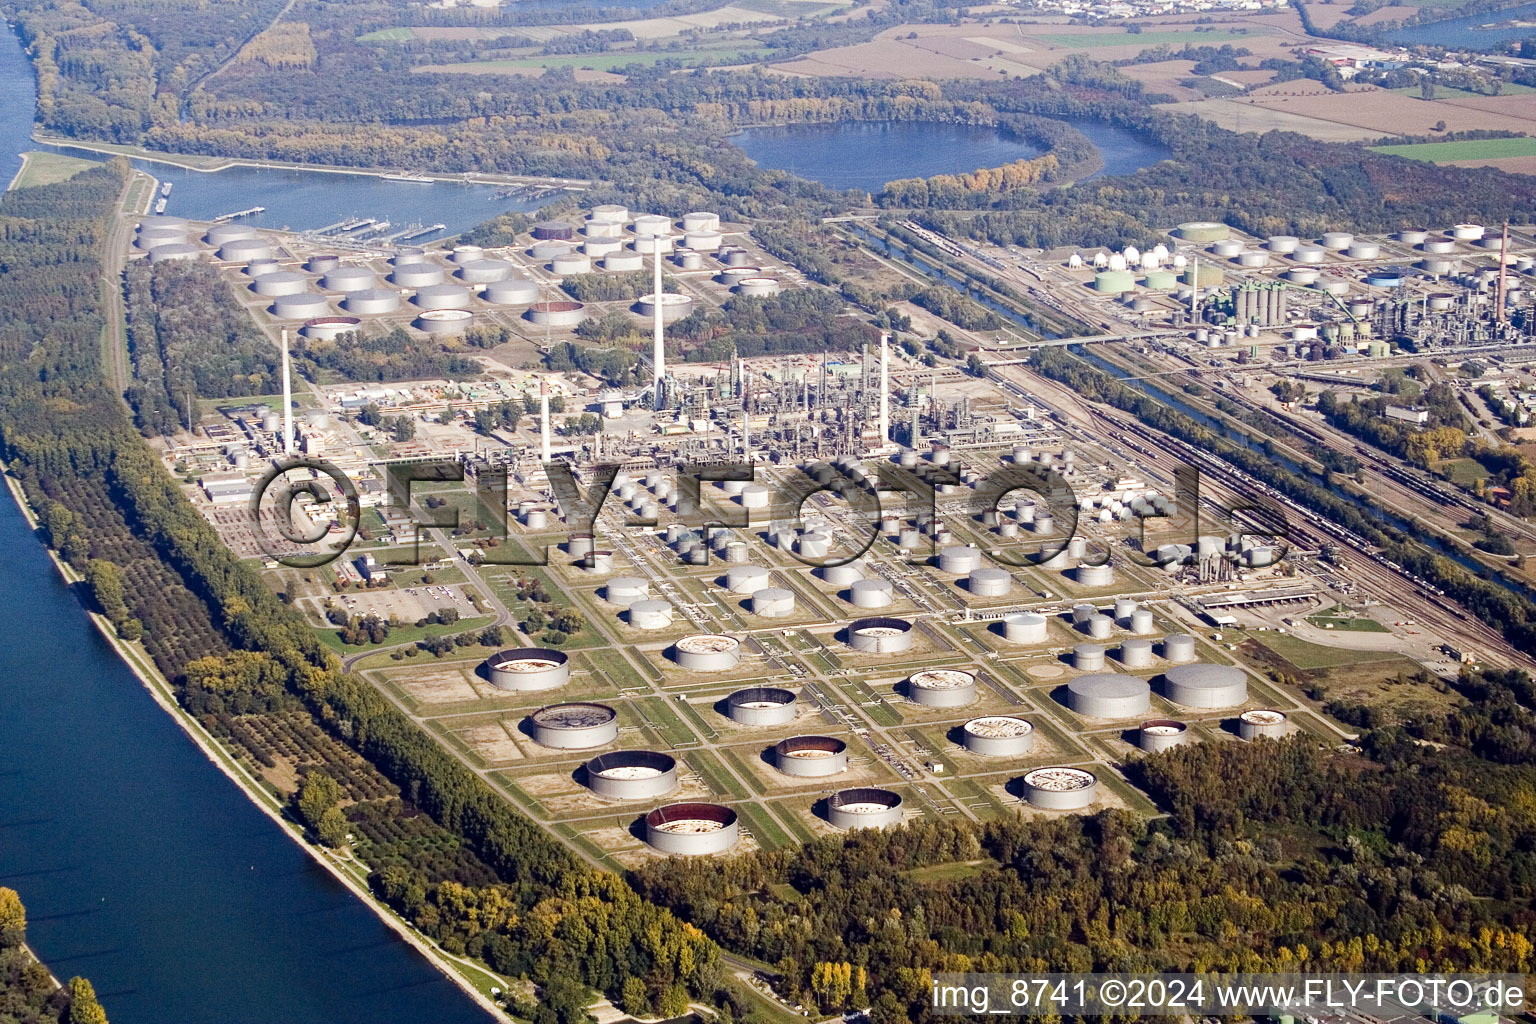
<point x="599" y="61"/>
<point x="1475" y="149"/>
<point x="1094" y="40"/>
<point x="387" y="35"/>
<point x="44" y="168"/>
<point x="1306" y="656"/>
<point x="405" y="634"/>
<point x="1446" y="92"/>
<point x="1349" y="623"/>
<point x="1464" y="472"/>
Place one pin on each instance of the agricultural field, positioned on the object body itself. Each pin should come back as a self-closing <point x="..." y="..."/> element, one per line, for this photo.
<point x="1095" y="40"/>
<point x="1454" y="152"/>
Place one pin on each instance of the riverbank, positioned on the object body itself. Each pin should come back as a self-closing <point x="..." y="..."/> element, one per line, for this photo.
<point x="214" y="164"/>
<point x="349" y="872"/>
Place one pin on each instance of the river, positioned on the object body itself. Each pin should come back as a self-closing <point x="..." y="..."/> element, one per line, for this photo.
<point x="1467" y="32"/>
<point x="142" y="866"/>
<point x="867" y="154"/>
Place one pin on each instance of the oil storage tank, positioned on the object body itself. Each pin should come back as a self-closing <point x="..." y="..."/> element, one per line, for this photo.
<point x="371" y="301"/>
<point x="864" y="807"/>
<point x="880" y="635"/>
<point x="1206" y="686"/>
<point x="514" y="291"/>
<point x="773" y="602"/>
<point x="941" y="688"/>
<point x="1265" y="723"/>
<point x="871" y="593"/>
<point x="574" y="726"/>
<point x="811" y="756"/>
<point x="348" y="279"/>
<point x="626" y="590"/>
<point x="632" y="775"/>
<point x="529" y="668"/>
<point x="1109" y="695"/>
<point x="1161" y="734"/>
<point x="762" y="706"/>
<point x="442" y="296"/>
<point x="960" y="560"/>
<point x="998" y="736"/>
<point x="650" y="614"/>
<point x="417" y="275"/>
<point x="1179" y="647"/>
<point x="691" y="829"/>
<point x="747" y="579"/>
<point x="707" y="652"/>
<point x="989" y="582"/>
<point x="1025" y="628"/>
<point x="1060" y="788"/>
<point x="302" y="306"/>
<point x="283" y="282"/>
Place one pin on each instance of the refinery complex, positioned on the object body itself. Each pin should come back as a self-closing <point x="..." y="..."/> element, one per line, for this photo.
<point x="842" y="590"/>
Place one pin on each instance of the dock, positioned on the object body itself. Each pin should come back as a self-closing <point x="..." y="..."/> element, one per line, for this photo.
<point x="238" y="214"/>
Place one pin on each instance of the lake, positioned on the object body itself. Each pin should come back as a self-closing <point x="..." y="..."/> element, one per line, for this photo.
<point x="867" y="154"/>
<point x="1466" y="33"/>
<point x="142" y="866"/>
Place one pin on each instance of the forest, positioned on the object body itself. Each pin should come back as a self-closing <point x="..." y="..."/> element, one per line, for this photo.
<point x="1274" y="857"/>
<point x="189" y="339"/>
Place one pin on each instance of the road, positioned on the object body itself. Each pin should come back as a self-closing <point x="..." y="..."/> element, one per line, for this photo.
<point x="114" y="258"/>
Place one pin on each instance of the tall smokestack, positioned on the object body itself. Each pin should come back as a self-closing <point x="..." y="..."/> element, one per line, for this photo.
<point x="885" y="387"/>
<point x="287" y="399"/>
<point x="1498" y="313"/>
<point x="544" y="419"/>
<point x="658" y="344"/>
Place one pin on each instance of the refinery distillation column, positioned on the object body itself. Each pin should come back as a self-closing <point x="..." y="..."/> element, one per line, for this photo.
<point x="544" y="420"/>
<point x="658" y="345"/>
<point x="885" y="387"/>
<point x="287" y="400"/>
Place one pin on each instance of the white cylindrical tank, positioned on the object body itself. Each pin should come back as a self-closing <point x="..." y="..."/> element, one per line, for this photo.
<point x="1135" y="653"/>
<point x="303" y="306"/>
<point x="283" y="282"/>
<point x="1467" y="232"/>
<point x="880" y="635"/>
<point x="623" y="261"/>
<point x="989" y="582"/>
<point x="941" y="688"/>
<point x="650" y="614"/>
<point x="571" y="263"/>
<point x="864" y="807"/>
<point x="692" y="829"/>
<point x="528" y="668"/>
<point x="773" y="602"/>
<point x="870" y="593"/>
<point x="515" y="291"/>
<point x="1025" y="628"/>
<point x="578" y="726"/>
<point x="811" y="756"/>
<point x="1109" y="695"/>
<point x="1098" y="626"/>
<point x="701" y="220"/>
<point x="1095" y="575"/>
<point x="632" y="775"/>
<point x="626" y="590"/>
<point x="1088" y="657"/>
<point x="998" y="736"/>
<point x="844" y="575"/>
<point x="484" y="271"/>
<point x="441" y="296"/>
<point x="417" y="275"/>
<point x="1142" y="621"/>
<point x="371" y="301"/>
<point x="707" y="652"/>
<point x="1263" y="724"/>
<point x="1337" y="240"/>
<point x="1179" y="647"/>
<point x="1059" y="788"/>
<point x="747" y="579"/>
<point x="1161" y="734"/>
<point x="1206" y="686"/>
<point x="959" y="560"/>
<point x="762" y="706"/>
